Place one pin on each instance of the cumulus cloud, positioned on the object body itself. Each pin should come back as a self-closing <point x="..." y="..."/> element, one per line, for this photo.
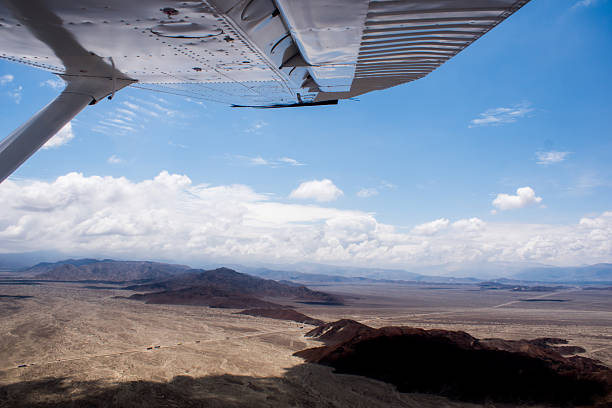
<point x="115" y="160"/>
<point x="499" y="116"/>
<point x="525" y="196"/>
<point x="430" y="228"/>
<point x="62" y="137"/>
<point x="318" y="190"/>
<point x="6" y="78"/>
<point x="55" y="83"/>
<point x="170" y="217"/>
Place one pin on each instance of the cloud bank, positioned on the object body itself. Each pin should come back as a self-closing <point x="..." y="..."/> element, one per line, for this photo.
<point x="170" y="217"/>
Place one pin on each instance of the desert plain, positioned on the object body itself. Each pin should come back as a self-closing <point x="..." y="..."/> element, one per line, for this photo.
<point x="86" y="345"/>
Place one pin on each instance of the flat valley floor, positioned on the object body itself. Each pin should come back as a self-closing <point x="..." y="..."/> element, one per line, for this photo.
<point x="79" y="345"/>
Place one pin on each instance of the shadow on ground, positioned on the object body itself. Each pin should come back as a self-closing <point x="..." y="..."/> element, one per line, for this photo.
<point x="306" y="385"/>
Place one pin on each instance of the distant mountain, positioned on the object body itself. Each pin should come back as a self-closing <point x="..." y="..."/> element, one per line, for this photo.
<point x="293" y="276"/>
<point x="43" y="267"/>
<point x="599" y="273"/>
<point x="501" y="272"/>
<point x="312" y="277"/>
<point x="236" y="283"/>
<point x="352" y="271"/>
<point x="106" y="270"/>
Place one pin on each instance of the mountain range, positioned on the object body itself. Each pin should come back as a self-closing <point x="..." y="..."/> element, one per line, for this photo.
<point x="317" y="273"/>
<point x="106" y="270"/>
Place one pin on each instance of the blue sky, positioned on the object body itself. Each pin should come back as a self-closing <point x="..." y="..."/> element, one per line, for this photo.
<point x="527" y="105"/>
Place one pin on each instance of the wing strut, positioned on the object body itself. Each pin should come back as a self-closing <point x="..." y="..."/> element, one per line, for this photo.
<point x="29" y="137"/>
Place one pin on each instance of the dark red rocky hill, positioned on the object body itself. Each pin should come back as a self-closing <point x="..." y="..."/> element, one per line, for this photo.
<point x="225" y="288"/>
<point x="339" y="331"/>
<point x="459" y="366"/>
<point x="236" y="282"/>
<point x="204" y="296"/>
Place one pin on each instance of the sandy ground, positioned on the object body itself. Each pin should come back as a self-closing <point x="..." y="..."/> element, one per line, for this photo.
<point x="84" y="347"/>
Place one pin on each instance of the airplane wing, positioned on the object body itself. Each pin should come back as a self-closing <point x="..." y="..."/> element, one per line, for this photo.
<point x="258" y="53"/>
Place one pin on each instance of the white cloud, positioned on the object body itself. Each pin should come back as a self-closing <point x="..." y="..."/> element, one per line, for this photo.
<point x="318" y="190"/>
<point x="132" y="116"/>
<point x="387" y="185"/>
<point x="584" y="3"/>
<point x="170" y="217"/>
<point x="546" y="158"/>
<point x="260" y="161"/>
<point x="6" y="78"/>
<point x="127" y="112"/>
<point x="290" y="161"/>
<point x="56" y="83"/>
<point x="15" y="94"/>
<point x="115" y="160"/>
<point x="256" y="127"/>
<point x="139" y="108"/>
<point x="367" y="192"/>
<point x="525" y="196"/>
<point x="430" y="228"/>
<point x="62" y="137"/>
<point x="202" y="104"/>
<point x="180" y="145"/>
<point x="498" y="116"/>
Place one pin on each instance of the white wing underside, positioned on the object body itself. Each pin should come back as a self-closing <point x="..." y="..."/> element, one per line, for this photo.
<point x="243" y="52"/>
<point x="257" y="52"/>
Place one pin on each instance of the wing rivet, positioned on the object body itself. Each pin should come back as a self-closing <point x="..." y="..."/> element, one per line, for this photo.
<point x="169" y="11"/>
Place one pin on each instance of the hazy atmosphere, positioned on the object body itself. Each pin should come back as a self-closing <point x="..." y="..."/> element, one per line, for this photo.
<point x="484" y="160"/>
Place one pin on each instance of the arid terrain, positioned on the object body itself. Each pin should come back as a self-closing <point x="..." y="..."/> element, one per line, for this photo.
<point x="85" y="344"/>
